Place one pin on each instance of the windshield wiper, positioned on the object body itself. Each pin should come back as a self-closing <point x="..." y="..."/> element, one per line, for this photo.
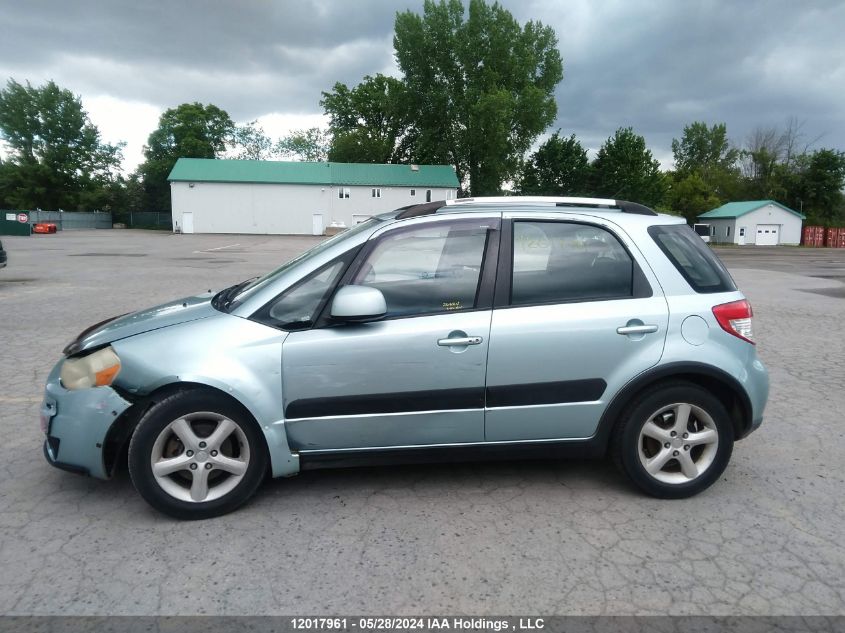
<point x="224" y="299"/>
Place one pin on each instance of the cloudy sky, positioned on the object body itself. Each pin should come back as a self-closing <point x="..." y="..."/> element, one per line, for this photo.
<point x="654" y="65"/>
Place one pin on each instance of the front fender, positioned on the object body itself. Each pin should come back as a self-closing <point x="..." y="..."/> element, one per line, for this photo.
<point x="236" y="356"/>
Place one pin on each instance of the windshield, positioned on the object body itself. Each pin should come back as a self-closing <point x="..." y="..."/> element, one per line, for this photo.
<point x="260" y="282"/>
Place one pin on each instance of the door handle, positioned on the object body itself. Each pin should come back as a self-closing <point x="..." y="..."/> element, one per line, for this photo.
<point x="636" y="329"/>
<point x="459" y="341"/>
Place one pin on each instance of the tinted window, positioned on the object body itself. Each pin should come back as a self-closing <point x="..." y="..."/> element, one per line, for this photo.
<point x="429" y="269"/>
<point x="693" y="259"/>
<point x="556" y="262"/>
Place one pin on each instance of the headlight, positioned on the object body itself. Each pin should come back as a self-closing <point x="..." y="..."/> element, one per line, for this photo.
<point x="94" y="370"/>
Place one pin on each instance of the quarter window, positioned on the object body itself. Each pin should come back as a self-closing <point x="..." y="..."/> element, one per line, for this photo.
<point x="427" y="270"/>
<point x="297" y="308"/>
<point x="558" y="262"/>
<point x="692" y="258"/>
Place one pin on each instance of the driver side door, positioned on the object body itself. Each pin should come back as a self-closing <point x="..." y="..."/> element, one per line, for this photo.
<point x="416" y="377"/>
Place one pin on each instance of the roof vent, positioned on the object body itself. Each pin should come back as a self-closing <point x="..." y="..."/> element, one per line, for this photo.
<point x="415" y="167"/>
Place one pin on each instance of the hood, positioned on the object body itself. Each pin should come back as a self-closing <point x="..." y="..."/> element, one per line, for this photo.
<point x="164" y="315"/>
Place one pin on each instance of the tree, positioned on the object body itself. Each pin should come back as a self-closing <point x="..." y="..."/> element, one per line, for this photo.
<point x="56" y="157"/>
<point x="480" y="85"/>
<point x="312" y="144"/>
<point x="249" y="142"/>
<point x="691" y="196"/>
<point x="370" y="122"/>
<point x="558" y="167"/>
<point x="704" y="149"/>
<point x="821" y="186"/>
<point x="706" y="173"/>
<point x="191" y="130"/>
<point x="625" y="169"/>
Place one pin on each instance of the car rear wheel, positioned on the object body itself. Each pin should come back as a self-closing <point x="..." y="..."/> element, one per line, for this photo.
<point x="674" y="441"/>
<point x="196" y="455"/>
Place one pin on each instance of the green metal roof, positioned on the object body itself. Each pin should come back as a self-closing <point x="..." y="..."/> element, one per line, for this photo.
<point x="737" y="209"/>
<point x="300" y="173"/>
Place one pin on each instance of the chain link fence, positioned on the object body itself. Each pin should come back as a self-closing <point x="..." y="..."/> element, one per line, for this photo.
<point x="75" y="220"/>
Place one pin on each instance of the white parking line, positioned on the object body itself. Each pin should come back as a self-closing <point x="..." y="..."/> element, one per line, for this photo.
<point x="219" y="248"/>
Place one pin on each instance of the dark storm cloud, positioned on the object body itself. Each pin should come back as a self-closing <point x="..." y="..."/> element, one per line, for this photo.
<point x="657" y="66"/>
<point x="652" y="65"/>
<point x="251" y="57"/>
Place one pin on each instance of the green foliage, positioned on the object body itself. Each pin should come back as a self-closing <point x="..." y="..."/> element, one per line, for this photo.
<point x="249" y="142"/>
<point x="820" y="187"/>
<point x="191" y="130"/>
<point x="706" y="174"/>
<point x="482" y="87"/>
<point x="704" y="149"/>
<point x="691" y="196"/>
<point x="625" y="169"/>
<point x="477" y="89"/>
<point x="559" y="167"/>
<point x="370" y="122"/>
<point x="57" y="159"/>
<point x="312" y="145"/>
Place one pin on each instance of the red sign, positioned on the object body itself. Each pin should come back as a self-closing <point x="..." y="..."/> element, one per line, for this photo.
<point x="23" y="218"/>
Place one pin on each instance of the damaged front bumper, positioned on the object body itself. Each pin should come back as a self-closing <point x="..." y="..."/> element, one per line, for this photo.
<point x="76" y="424"/>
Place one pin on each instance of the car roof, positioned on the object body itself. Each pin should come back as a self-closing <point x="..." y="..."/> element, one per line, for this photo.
<point x="616" y="210"/>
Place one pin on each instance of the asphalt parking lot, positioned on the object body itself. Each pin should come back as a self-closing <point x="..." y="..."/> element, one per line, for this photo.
<point x="491" y="538"/>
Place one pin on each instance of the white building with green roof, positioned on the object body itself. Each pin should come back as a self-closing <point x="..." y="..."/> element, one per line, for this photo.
<point x="290" y="198"/>
<point x="760" y="222"/>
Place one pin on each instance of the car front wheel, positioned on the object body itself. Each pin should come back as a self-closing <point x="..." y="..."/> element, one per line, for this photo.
<point x="674" y="441"/>
<point x="196" y="455"/>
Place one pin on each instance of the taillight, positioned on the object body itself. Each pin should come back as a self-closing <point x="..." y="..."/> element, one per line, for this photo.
<point x="735" y="318"/>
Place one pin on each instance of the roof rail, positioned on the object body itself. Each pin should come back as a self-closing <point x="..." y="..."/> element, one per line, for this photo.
<point x="559" y="201"/>
<point x="430" y="208"/>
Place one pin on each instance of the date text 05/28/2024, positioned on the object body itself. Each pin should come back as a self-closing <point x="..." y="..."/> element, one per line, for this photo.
<point x="421" y="624"/>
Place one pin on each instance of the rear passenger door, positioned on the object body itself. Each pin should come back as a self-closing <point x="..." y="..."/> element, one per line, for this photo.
<point x="577" y="313"/>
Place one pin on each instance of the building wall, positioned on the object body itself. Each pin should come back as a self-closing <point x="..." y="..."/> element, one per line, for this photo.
<point x="284" y="209"/>
<point x="720" y="225"/>
<point x="790" y="225"/>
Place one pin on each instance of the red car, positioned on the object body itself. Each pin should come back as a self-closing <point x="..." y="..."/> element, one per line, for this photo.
<point x="44" y="227"/>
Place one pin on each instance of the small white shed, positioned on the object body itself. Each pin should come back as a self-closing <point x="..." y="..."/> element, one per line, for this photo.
<point x="760" y="222"/>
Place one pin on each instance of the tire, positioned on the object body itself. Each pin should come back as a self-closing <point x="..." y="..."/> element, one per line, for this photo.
<point x="197" y="436"/>
<point x="655" y="420"/>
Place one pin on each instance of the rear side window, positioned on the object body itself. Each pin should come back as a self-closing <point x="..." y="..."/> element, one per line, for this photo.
<point x="558" y="262"/>
<point x="693" y="259"/>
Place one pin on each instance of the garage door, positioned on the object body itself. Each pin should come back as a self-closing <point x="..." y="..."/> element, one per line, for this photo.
<point x="767" y="234"/>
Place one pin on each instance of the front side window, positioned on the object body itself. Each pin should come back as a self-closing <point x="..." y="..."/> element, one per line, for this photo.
<point x="427" y="269"/>
<point x="559" y="262"/>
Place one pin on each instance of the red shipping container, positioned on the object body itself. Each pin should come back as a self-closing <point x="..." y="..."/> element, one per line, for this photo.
<point x="813" y="236"/>
<point x="841" y="242"/>
<point x="831" y="237"/>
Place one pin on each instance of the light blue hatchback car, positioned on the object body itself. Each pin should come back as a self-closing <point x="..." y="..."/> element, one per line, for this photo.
<point x="486" y="327"/>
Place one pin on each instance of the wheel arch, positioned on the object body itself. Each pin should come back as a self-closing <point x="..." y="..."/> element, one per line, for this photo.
<point x="116" y="444"/>
<point x="725" y="387"/>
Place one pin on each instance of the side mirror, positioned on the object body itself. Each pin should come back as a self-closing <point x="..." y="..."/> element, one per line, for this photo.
<point x="358" y="304"/>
